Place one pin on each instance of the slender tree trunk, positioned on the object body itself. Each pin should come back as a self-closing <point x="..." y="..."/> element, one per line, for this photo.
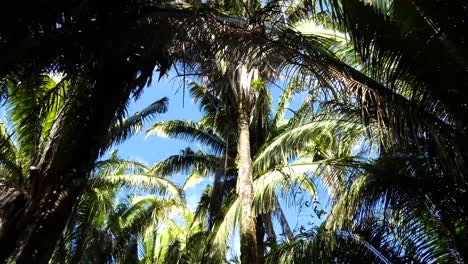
<point x="269" y="230"/>
<point x="216" y="198"/>
<point x="245" y="192"/>
<point x="285" y="225"/>
<point x="260" y="239"/>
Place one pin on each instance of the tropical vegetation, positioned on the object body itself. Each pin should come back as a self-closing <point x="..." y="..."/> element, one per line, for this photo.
<point x="369" y="131"/>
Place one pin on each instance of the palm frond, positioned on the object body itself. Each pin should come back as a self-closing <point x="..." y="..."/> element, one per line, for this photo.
<point x="188" y="130"/>
<point x="118" y="166"/>
<point x="201" y="212"/>
<point x="224" y="229"/>
<point x="141" y="206"/>
<point x="148" y="183"/>
<point x="127" y="127"/>
<point x="30" y="100"/>
<point x="8" y="157"/>
<point x="291" y="143"/>
<point x="188" y="161"/>
<point x="327" y="247"/>
<point x="400" y="192"/>
<point x="194" y="178"/>
<point x="286" y="182"/>
<point x="283" y="103"/>
<point x="305" y="111"/>
<point x="205" y="98"/>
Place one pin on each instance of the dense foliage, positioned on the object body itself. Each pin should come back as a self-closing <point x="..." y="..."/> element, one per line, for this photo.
<point x="377" y="145"/>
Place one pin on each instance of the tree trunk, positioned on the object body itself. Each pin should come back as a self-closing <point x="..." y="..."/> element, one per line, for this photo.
<point x="260" y="239"/>
<point x="64" y="165"/>
<point x="245" y="192"/>
<point x="47" y="228"/>
<point x="216" y="198"/>
<point x="12" y="204"/>
<point x="285" y="225"/>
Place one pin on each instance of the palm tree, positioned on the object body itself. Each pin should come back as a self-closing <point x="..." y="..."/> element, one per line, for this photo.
<point x="409" y="49"/>
<point x="178" y="243"/>
<point x="368" y="243"/>
<point x="37" y="108"/>
<point x="62" y="38"/>
<point x="420" y="174"/>
<point x="238" y="62"/>
<point x="103" y="228"/>
<point x="396" y="192"/>
<point x="306" y="133"/>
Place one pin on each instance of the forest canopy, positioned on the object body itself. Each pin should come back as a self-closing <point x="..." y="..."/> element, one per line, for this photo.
<point x="368" y="132"/>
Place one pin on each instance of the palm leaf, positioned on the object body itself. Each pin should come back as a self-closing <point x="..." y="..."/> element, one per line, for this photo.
<point x="224" y="229"/>
<point x="30" y="100"/>
<point x="292" y="143"/>
<point x="149" y="183"/>
<point x="285" y="181"/>
<point x="327" y="247"/>
<point x="188" y="161"/>
<point x="125" y="128"/>
<point x="8" y="157"/>
<point x="188" y="130"/>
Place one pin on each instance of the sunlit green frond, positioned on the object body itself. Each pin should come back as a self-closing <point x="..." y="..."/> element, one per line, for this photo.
<point x="223" y="230"/>
<point x="30" y="100"/>
<point x="188" y="130"/>
<point x="321" y="246"/>
<point x="265" y="187"/>
<point x="148" y="248"/>
<point x="8" y="157"/>
<point x="305" y="112"/>
<point x="157" y="209"/>
<point x="322" y="133"/>
<point x="148" y="183"/>
<point x="188" y="161"/>
<point x="117" y="166"/>
<point x="55" y="108"/>
<point x="313" y="27"/>
<point x="283" y="103"/>
<point x="125" y="128"/>
<point x="195" y="178"/>
<point x="286" y="182"/>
